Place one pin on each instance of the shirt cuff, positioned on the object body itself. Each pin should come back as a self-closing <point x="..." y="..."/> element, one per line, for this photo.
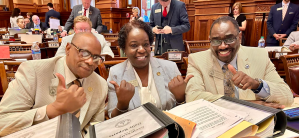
<point x="265" y="91"/>
<point x="41" y="115"/>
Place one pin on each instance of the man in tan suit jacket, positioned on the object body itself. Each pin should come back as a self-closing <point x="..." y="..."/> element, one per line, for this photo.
<point x="255" y="78"/>
<point x="40" y="92"/>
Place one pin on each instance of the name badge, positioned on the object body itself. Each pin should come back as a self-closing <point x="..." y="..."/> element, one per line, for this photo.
<point x="134" y="83"/>
<point x="80" y="12"/>
<point x="278" y="9"/>
<point x="2" y="29"/>
<point x="5" y="36"/>
<point x="174" y="56"/>
<point x="53" y="44"/>
<point x="157" y="10"/>
<point x="291" y="12"/>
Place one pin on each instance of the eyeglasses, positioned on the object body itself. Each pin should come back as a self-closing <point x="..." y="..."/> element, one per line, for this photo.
<point x="227" y="41"/>
<point x="83" y="30"/>
<point x="85" y="54"/>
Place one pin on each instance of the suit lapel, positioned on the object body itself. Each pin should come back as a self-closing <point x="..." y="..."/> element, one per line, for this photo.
<point x="217" y="75"/>
<point x="159" y="81"/>
<point x="171" y="10"/>
<point x="129" y="76"/>
<point x="158" y="15"/>
<point x="290" y="9"/>
<point x="280" y="12"/>
<point x="244" y="66"/>
<point x="88" y="89"/>
<point x="59" y="68"/>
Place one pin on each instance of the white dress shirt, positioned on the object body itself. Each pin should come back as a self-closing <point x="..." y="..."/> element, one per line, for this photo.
<point x="87" y="12"/>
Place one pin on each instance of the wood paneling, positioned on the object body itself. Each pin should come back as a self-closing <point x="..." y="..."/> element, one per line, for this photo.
<point x="114" y="18"/>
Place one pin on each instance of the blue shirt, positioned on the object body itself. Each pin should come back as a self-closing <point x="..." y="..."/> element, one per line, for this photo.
<point x="265" y="91"/>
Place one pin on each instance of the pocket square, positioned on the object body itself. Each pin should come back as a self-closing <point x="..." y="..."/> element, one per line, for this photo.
<point x="291" y="12"/>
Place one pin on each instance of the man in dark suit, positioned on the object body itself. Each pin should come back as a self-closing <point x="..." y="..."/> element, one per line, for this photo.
<point x="36" y="24"/>
<point x="283" y="19"/>
<point x="85" y="9"/>
<point x="51" y="13"/>
<point x="172" y="18"/>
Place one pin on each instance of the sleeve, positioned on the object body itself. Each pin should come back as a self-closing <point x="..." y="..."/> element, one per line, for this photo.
<point x="61" y="49"/>
<point x="290" y="40"/>
<point x="184" y="22"/>
<point x="279" y="91"/>
<point x="16" y="111"/>
<point x="265" y="91"/>
<point x="47" y="19"/>
<point x="106" y="48"/>
<point x="112" y="100"/>
<point x="196" y="88"/>
<point x="99" y="23"/>
<point x="152" y="18"/>
<point x="70" y="21"/>
<point x="270" y="22"/>
<point x="294" y="22"/>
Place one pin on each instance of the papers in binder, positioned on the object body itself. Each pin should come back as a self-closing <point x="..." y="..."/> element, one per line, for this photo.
<point x="54" y="23"/>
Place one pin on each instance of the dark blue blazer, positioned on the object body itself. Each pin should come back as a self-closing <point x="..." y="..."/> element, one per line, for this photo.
<point x="52" y="13"/>
<point x="177" y="20"/>
<point x="276" y="25"/>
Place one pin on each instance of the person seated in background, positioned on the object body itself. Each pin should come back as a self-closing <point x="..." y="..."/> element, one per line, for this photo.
<point x="16" y="13"/>
<point x="135" y="14"/>
<point x="44" y="89"/>
<point x="230" y="69"/>
<point x="36" y="24"/>
<point x="142" y="78"/>
<point x="293" y="41"/>
<point x="144" y="16"/>
<point x="240" y="18"/>
<point x="50" y="31"/>
<point x="29" y="16"/>
<point x="20" y="22"/>
<point x="26" y="21"/>
<point x="83" y="24"/>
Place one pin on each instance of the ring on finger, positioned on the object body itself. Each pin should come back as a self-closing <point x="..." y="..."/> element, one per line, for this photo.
<point x="241" y="85"/>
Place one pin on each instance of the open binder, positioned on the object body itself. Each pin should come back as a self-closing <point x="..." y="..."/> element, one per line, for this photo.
<point x="279" y="116"/>
<point x="128" y="124"/>
<point x="63" y="126"/>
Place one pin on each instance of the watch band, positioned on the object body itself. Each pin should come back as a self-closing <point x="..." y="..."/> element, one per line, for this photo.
<point x="260" y="86"/>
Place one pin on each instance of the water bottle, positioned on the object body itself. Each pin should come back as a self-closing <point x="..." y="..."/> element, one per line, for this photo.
<point x="35" y="50"/>
<point x="55" y="37"/>
<point x="262" y="42"/>
<point x="110" y="31"/>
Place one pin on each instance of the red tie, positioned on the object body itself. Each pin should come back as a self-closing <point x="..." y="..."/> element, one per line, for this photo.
<point x="85" y="12"/>
<point x="165" y="12"/>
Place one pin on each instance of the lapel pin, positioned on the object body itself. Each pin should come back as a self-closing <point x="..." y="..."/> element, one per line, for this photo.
<point x="246" y="66"/>
<point x="90" y="12"/>
<point x="158" y="73"/>
<point x="52" y="91"/>
<point x="89" y="89"/>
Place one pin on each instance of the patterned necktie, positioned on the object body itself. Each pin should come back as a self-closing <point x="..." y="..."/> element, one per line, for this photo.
<point x="77" y="82"/>
<point x="165" y="12"/>
<point x="85" y="12"/>
<point x="229" y="87"/>
<point x="284" y="11"/>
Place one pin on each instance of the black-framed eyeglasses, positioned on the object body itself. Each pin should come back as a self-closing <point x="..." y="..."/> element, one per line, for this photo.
<point x="85" y="54"/>
<point x="218" y="42"/>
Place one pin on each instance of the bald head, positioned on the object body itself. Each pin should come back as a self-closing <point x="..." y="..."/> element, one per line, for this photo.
<point x="82" y="43"/>
<point x="35" y="19"/>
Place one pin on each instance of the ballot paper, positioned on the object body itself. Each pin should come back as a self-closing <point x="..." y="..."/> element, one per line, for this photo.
<point x="54" y="23"/>
<point x="208" y="117"/>
<point x="128" y="125"/>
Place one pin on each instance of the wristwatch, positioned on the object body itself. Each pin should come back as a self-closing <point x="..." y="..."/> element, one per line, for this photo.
<point x="260" y="86"/>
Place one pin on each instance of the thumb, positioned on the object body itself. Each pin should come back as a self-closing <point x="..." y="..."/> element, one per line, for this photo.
<point x="116" y="86"/>
<point x="61" y="84"/>
<point x="231" y="69"/>
<point x="188" y="78"/>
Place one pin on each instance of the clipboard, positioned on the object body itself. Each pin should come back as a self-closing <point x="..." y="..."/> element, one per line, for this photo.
<point x="174" y="129"/>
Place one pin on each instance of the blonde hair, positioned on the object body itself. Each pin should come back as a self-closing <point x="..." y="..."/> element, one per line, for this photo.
<point x="239" y="5"/>
<point x="136" y="9"/>
<point x="82" y="18"/>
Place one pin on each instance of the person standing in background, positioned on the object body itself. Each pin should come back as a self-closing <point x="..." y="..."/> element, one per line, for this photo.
<point x="16" y="13"/>
<point x="135" y="14"/>
<point x="84" y="9"/>
<point x="145" y="17"/>
<point x="52" y="13"/>
<point x="29" y="16"/>
<point x="240" y="18"/>
<point x="282" y="20"/>
<point x="172" y="18"/>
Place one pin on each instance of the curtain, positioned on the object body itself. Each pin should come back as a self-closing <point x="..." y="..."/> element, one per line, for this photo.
<point x="77" y="2"/>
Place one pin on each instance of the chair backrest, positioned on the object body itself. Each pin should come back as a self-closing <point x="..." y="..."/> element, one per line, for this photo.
<point x="294" y="78"/>
<point x="282" y="41"/>
<point x="185" y="59"/>
<point x="288" y="61"/>
<point x="103" y="71"/>
<point x="105" y="67"/>
<point x="115" y="50"/>
<point x="7" y="72"/>
<point x="196" y="46"/>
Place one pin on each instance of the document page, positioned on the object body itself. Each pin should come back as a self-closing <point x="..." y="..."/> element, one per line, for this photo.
<point x="54" y="23"/>
<point x="254" y="115"/>
<point x="207" y="117"/>
<point x="42" y="130"/>
<point x="133" y="124"/>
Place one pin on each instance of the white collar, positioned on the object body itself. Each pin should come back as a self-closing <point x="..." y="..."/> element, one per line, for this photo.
<point x="285" y="4"/>
<point x="69" y="75"/>
<point x="233" y="62"/>
<point x="83" y="7"/>
<point x="168" y="4"/>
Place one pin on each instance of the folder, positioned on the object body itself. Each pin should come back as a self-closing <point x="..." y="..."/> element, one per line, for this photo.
<point x="279" y="116"/>
<point x="140" y="122"/>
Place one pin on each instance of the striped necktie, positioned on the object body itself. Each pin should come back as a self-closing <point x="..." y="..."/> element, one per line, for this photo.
<point x="284" y="11"/>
